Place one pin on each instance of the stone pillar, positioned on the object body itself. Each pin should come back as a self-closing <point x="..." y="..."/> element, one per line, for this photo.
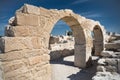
<point x="80" y="56"/>
<point x="98" y="47"/>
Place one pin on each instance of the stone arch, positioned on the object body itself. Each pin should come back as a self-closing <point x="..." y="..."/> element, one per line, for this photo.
<point x="98" y="41"/>
<point x="27" y="38"/>
<point x="80" y="38"/>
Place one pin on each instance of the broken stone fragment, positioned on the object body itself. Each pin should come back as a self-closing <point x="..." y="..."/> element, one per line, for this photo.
<point x="101" y="61"/>
<point x="112" y="46"/>
<point x="111" y="68"/>
<point x="107" y="53"/>
<point x="111" y="61"/>
<point x="101" y="69"/>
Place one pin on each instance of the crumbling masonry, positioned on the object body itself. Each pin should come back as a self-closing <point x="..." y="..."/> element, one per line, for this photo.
<point x="25" y="48"/>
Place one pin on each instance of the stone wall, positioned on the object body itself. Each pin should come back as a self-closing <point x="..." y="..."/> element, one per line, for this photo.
<point x="25" y="48"/>
<point x="109" y="62"/>
<point x="63" y="46"/>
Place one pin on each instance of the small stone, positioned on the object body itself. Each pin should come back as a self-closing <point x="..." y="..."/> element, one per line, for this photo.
<point x="101" y="68"/>
<point x="101" y="61"/>
<point x="112" y="62"/>
<point x="111" y="68"/>
<point x="106" y="53"/>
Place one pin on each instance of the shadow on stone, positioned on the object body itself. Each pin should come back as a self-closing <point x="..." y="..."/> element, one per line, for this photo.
<point x="54" y="55"/>
<point x="85" y="74"/>
<point x="62" y="61"/>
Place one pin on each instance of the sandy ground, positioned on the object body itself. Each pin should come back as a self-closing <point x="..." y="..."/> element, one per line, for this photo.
<point x="64" y="69"/>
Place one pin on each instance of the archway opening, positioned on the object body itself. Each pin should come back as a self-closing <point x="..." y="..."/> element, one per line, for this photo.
<point x="75" y="44"/>
<point x="97" y="36"/>
<point x="61" y="42"/>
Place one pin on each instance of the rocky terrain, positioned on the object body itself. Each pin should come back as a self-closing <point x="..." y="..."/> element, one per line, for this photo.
<point x="61" y="46"/>
<point x="105" y="67"/>
<point x="109" y="63"/>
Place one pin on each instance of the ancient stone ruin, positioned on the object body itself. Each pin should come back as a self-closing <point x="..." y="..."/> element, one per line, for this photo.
<point x="24" y="49"/>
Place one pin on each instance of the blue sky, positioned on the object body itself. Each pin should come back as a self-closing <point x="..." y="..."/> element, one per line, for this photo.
<point x="105" y="11"/>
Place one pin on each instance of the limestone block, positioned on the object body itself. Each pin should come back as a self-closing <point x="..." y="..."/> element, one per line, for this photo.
<point x="55" y="55"/>
<point x="111" y="68"/>
<point x="12" y="44"/>
<point x="1" y="71"/>
<point x="42" y="72"/>
<point x="119" y="65"/>
<point x="107" y="53"/>
<point x="80" y="57"/>
<point x="34" y="60"/>
<point x="16" y="72"/>
<point x="12" y="65"/>
<point x="106" y="76"/>
<point x="26" y="19"/>
<point x="112" y="46"/>
<point x="117" y="36"/>
<point x="9" y="31"/>
<point x="21" y="31"/>
<point x="116" y="41"/>
<point x="101" y="61"/>
<point x="24" y="76"/>
<point x="25" y="53"/>
<point x="53" y="40"/>
<point x="116" y="55"/>
<point x="45" y="57"/>
<point x="30" y="9"/>
<point x="2" y="45"/>
<point x="44" y="12"/>
<point x="20" y="43"/>
<point x="101" y="68"/>
<point x="39" y="59"/>
<point x="112" y="62"/>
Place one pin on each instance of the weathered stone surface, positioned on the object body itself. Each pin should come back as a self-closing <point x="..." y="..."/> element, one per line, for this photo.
<point x="101" y="69"/>
<point x="38" y="59"/>
<point x="119" y="65"/>
<point x="106" y="76"/>
<point x="22" y="54"/>
<point x="20" y="43"/>
<point x="112" y="62"/>
<point x="107" y="53"/>
<point x="30" y="9"/>
<point x="112" y="46"/>
<point x="26" y="19"/>
<point x="79" y="50"/>
<point x="12" y="21"/>
<point x="101" y="61"/>
<point x="111" y="68"/>
<point x="60" y="53"/>
<point x="2" y="45"/>
<point x="53" y="40"/>
<point x="21" y="31"/>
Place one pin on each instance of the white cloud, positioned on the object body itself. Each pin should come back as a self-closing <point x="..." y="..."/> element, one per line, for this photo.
<point x="3" y="17"/>
<point x="79" y="1"/>
<point x="91" y="14"/>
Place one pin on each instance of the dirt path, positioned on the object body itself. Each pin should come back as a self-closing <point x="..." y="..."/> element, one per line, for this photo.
<point x="64" y="69"/>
